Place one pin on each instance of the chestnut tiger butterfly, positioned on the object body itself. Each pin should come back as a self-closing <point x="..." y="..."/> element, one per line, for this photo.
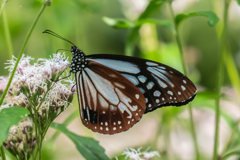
<point x="114" y="91"/>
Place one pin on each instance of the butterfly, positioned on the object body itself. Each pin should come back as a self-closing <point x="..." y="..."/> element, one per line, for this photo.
<point x="114" y="91"/>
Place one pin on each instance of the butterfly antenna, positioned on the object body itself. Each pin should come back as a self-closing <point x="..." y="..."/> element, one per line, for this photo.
<point x="56" y="35"/>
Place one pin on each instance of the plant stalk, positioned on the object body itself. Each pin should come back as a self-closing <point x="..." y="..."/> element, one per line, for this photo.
<point x="2" y="152"/>
<point x="185" y="72"/>
<point x="220" y="77"/>
<point x="7" y="34"/>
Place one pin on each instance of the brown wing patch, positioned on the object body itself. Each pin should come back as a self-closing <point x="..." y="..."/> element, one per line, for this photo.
<point x="109" y="103"/>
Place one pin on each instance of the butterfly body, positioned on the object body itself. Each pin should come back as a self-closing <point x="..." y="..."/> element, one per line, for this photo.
<point x="78" y="60"/>
<point x="114" y="91"/>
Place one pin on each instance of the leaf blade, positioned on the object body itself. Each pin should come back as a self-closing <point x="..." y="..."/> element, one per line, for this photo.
<point x="10" y="116"/>
<point x="212" y="17"/>
<point x="88" y="147"/>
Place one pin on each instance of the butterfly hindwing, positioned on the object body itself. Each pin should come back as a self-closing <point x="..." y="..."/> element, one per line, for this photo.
<point x="160" y="84"/>
<point x="109" y="103"/>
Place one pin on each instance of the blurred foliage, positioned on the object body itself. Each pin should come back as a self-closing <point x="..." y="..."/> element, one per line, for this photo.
<point x="81" y="22"/>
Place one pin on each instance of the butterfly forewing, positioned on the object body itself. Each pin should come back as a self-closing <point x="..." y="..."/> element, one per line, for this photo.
<point x="161" y="85"/>
<point x="109" y="103"/>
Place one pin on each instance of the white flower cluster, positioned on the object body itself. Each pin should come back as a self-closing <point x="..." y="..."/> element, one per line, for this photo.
<point x="37" y="79"/>
<point x="138" y="155"/>
<point x="35" y="87"/>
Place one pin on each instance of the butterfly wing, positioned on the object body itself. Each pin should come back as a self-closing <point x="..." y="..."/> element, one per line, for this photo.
<point x="160" y="84"/>
<point x="109" y="103"/>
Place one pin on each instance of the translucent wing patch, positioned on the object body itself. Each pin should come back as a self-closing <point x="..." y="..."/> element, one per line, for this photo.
<point x="109" y="103"/>
<point x="160" y="84"/>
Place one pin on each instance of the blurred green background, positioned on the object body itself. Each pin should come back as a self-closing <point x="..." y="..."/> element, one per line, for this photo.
<point x="80" y="21"/>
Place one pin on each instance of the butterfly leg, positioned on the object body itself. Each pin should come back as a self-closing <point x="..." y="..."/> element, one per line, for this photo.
<point x="64" y="77"/>
<point x="73" y="87"/>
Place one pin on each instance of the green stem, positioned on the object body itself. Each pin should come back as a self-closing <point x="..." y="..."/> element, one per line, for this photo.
<point x="234" y="131"/>
<point x="220" y="78"/>
<point x="230" y="154"/>
<point x="185" y="72"/>
<point x="2" y="6"/>
<point x="52" y="85"/>
<point x="21" y="52"/>
<point x="7" y="34"/>
<point x="2" y="153"/>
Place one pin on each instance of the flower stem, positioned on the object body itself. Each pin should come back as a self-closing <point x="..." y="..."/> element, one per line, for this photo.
<point x="7" y="34"/>
<point x="230" y="140"/>
<point x="185" y="72"/>
<point x="220" y="77"/>
<point x="2" y="152"/>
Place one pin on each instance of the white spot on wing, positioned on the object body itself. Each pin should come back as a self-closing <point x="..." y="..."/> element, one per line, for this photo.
<point x="150" y="85"/>
<point x="170" y="93"/>
<point x="161" y="67"/>
<point x="156" y="93"/>
<point x="151" y="64"/>
<point x="137" y="96"/>
<point x="184" y="81"/>
<point x="183" y="88"/>
<point x="142" y="78"/>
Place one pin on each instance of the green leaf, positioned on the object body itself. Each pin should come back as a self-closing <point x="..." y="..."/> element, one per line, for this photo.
<point x="88" y="147"/>
<point x="9" y="117"/>
<point x="155" y="21"/>
<point x="121" y="157"/>
<point x="122" y="23"/>
<point x="238" y="1"/>
<point x="118" y="23"/>
<point x="212" y="17"/>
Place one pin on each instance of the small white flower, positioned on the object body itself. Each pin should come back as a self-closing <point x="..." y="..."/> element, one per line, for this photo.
<point x="132" y="154"/>
<point x="137" y="154"/>
<point x="149" y="155"/>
